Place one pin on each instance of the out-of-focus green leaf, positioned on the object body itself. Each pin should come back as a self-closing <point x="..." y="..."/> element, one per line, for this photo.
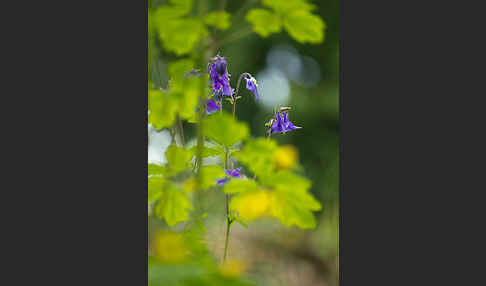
<point x="235" y="186"/>
<point x="218" y="19"/>
<point x="286" y="6"/>
<point x="173" y="205"/>
<point x="210" y="174"/>
<point x="264" y="22"/>
<point x="290" y="202"/>
<point x="180" y="35"/>
<point x="154" y="169"/>
<point x="258" y="156"/>
<point x="155" y="188"/>
<point x="178" y="158"/>
<point x="224" y="129"/>
<point x="162" y="108"/>
<point x="305" y="27"/>
<point x="178" y="69"/>
<point x="208" y="151"/>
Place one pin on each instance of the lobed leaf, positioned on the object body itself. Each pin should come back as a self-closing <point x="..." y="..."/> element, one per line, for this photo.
<point x="286" y="6"/>
<point x="258" y="156"/>
<point x="178" y="158"/>
<point x="305" y="27"/>
<point x="264" y="22"/>
<point x="210" y="174"/>
<point x="225" y="130"/>
<point x="162" y="108"/>
<point x="235" y="186"/>
<point x="173" y="205"/>
<point x="155" y="188"/>
<point x="218" y="19"/>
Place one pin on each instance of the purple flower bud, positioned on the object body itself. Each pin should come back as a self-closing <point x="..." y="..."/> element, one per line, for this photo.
<point x="219" y="76"/>
<point x="223" y="181"/>
<point x="212" y="107"/>
<point x="282" y="125"/>
<point x="252" y="85"/>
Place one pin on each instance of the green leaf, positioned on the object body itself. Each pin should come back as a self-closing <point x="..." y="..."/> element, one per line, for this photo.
<point x="235" y="186"/>
<point x="154" y="169"/>
<point x="178" y="158"/>
<point x="173" y="205"/>
<point x="264" y="22"/>
<point x="178" y="69"/>
<point x="210" y="174"/>
<point x="305" y="27"/>
<point x="208" y="151"/>
<point x="155" y="188"/>
<point x="186" y="5"/>
<point x="180" y="35"/>
<point x="162" y="108"/>
<point x="285" y="6"/>
<point x="290" y="201"/>
<point x="224" y="129"/>
<point x="218" y="19"/>
<point x="258" y="156"/>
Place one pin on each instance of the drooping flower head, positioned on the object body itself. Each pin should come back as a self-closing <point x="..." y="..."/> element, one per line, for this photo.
<point x="212" y="107"/>
<point x="282" y="124"/>
<point x="219" y="76"/>
<point x="251" y="84"/>
<point x="235" y="173"/>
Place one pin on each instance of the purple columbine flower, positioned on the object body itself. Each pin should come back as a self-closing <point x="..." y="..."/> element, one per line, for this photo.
<point x="235" y="173"/>
<point x="252" y="85"/>
<point x="282" y="125"/>
<point x="219" y="76"/>
<point x="212" y="107"/>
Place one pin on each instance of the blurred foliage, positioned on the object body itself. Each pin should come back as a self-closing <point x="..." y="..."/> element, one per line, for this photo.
<point x="283" y="174"/>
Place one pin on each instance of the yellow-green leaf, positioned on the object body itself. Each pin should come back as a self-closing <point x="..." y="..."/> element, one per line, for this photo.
<point x="180" y="35"/>
<point x="290" y="201"/>
<point x="218" y="19"/>
<point x="154" y="169"/>
<point x="178" y="158"/>
<point x="224" y="129"/>
<point x="208" y="151"/>
<point x="305" y="27"/>
<point x="173" y="205"/>
<point x="155" y="188"/>
<point x="258" y="155"/>
<point x="264" y="22"/>
<point x="286" y="6"/>
<point x="162" y="109"/>
<point x="210" y="174"/>
<point x="235" y="186"/>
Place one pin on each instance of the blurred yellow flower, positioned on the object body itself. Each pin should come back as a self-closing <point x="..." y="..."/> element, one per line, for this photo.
<point x="170" y="247"/>
<point x="232" y="268"/>
<point x="286" y="157"/>
<point x="251" y="205"/>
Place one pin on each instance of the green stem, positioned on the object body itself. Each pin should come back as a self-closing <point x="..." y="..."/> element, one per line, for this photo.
<point x="181" y="130"/>
<point x="228" y="226"/>
<point x="228" y="220"/>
